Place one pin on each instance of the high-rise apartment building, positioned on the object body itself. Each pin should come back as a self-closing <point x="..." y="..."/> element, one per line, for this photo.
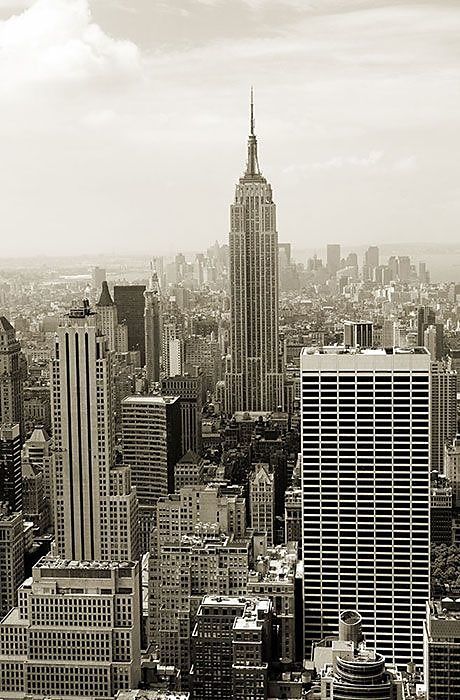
<point x="130" y="302"/>
<point x="231" y="648"/>
<point x="10" y="466"/>
<point x="75" y="632"/>
<point x="365" y="454"/>
<point x="443" y="412"/>
<point x="189" y="389"/>
<point x="84" y="442"/>
<point x="254" y="382"/>
<point x="152" y="330"/>
<point x="11" y="376"/>
<point x="151" y="443"/>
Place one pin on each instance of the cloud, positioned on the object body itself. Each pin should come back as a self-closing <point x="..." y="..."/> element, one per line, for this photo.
<point x="57" y="41"/>
<point x="374" y="161"/>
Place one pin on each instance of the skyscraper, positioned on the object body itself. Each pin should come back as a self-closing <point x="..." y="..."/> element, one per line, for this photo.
<point x="254" y="382"/>
<point x="107" y="317"/>
<point x="10" y="466"/>
<point x="11" y="376"/>
<point x="129" y="300"/>
<point x="84" y="441"/>
<point x="152" y="330"/>
<point x="151" y="430"/>
<point x="333" y="257"/>
<point x="425" y="317"/>
<point x="189" y="388"/>
<point x="443" y="412"/>
<point x="365" y="447"/>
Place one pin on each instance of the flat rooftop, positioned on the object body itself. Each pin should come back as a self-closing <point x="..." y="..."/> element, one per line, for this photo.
<point x="56" y="563"/>
<point x="156" y="400"/>
<point x="343" y="350"/>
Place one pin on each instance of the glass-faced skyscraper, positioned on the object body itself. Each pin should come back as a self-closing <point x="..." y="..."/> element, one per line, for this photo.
<point x="254" y="382"/>
<point x="366" y="494"/>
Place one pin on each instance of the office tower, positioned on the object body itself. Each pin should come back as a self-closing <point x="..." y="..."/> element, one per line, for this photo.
<point x="37" y="407"/>
<point x="293" y="515"/>
<point x="11" y="557"/>
<point x="188" y="470"/>
<point x="443" y="412"/>
<point x="231" y="648"/>
<point x="365" y="454"/>
<point x="151" y="445"/>
<point x="433" y="340"/>
<point x="262" y="500"/>
<point x="122" y="338"/>
<point x="333" y="257"/>
<point x="404" y="268"/>
<point x="425" y="317"/>
<point x="129" y="300"/>
<point x="440" y="510"/>
<point x="390" y="334"/>
<point x="152" y="330"/>
<point x="189" y="388"/>
<point x="371" y="257"/>
<point x="10" y="466"/>
<point x="36" y="451"/>
<point x="423" y="274"/>
<point x="34" y="504"/>
<point x="274" y="577"/>
<point x="75" y="631"/>
<point x="441" y="667"/>
<point x="84" y="443"/>
<point x="350" y="670"/>
<point x="107" y="317"/>
<point x="203" y="353"/>
<point x="452" y="468"/>
<point x="11" y="375"/>
<point x="172" y="346"/>
<point x="99" y="277"/>
<point x="358" y="334"/>
<point x="254" y="382"/>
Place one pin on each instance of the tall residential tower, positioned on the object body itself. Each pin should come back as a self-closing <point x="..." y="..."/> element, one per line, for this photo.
<point x="254" y="382"/>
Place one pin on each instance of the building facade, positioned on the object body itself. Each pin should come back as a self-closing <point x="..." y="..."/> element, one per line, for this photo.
<point x="75" y="632"/>
<point x="366" y="494"/>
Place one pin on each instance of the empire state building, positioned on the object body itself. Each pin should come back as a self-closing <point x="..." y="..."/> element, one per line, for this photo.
<point x="254" y="381"/>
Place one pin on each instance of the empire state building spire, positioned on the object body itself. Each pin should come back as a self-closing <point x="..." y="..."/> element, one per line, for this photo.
<point x="252" y="167"/>
<point x="253" y="381"/>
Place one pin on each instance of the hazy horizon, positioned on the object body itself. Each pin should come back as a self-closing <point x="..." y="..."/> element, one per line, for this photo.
<point x="124" y="124"/>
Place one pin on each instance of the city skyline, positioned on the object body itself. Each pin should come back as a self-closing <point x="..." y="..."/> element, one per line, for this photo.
<point x="364" y="123"/>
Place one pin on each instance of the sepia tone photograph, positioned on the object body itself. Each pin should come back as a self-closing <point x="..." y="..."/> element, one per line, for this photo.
<point x="229" y="350"/>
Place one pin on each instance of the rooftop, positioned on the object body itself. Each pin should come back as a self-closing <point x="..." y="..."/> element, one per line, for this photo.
<point x="156" y="400"/>
<point x="342" y="350"/>
<point x="57" y="563"/>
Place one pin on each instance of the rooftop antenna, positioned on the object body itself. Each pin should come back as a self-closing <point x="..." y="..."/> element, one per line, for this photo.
<point x="252" y="111"/>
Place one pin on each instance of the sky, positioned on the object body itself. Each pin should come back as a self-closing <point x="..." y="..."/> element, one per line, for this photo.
<point x="123" y="123"/>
